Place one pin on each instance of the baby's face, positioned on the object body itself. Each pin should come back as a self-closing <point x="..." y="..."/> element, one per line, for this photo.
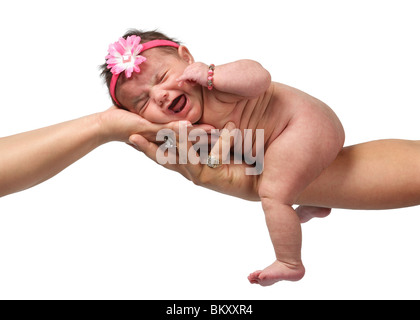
<point x="154" y="93"/>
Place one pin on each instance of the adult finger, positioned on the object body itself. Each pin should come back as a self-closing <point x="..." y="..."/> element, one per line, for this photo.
<point x="220" y="153"/>
<point x="151" y="150"/>
<point x="176" y="128"/>
<point x="142" y="144"/>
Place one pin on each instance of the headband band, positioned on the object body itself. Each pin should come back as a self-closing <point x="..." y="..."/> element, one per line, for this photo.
<point x="124" y="56"/>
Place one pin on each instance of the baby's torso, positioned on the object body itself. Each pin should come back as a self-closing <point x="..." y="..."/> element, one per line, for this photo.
<point x="270" y="111"/>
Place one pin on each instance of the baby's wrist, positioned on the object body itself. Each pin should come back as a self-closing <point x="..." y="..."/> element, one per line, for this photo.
<point x="210" y="77"/>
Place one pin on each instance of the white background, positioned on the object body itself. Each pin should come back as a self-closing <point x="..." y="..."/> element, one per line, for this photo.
<point x="114" y="225"/>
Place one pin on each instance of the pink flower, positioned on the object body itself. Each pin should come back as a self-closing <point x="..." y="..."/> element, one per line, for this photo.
<point x="124" y="55"/>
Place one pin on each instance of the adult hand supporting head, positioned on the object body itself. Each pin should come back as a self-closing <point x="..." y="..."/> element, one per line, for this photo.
<point x="53" y="148"/>
<point x="227" y="178"/>
<point x="118" y="125"/>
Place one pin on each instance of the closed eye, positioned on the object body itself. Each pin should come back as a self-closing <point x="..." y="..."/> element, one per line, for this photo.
<point x="163" y="77"/>
<point x="142" y="105"/>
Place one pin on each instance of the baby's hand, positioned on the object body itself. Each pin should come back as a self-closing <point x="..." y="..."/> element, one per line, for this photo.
<point x="194" y="73"/>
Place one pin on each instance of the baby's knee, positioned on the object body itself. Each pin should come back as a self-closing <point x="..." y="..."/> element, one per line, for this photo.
<point x="339" y="137"/>
<point x="271" y="196"/>
<point x="331" y="132"/>
<point x="270" y="204"/>
<point x="331" y="143"/>
<point x="337" y="134"/>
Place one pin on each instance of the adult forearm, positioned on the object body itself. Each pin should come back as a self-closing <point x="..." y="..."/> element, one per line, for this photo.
<point x="380" y="174"/>
<point x="29" y="158"/>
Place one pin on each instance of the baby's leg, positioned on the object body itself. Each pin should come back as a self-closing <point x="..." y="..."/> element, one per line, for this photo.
<point x="286" y="235"/>
<point x="292" y="161"/>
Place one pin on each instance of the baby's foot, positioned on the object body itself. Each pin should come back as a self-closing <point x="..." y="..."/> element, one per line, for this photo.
<point x="276" y="272"/>
<point x="306" y="213"/>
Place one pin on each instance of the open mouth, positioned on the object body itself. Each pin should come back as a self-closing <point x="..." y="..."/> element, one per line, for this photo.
<point x="178" y="104"/>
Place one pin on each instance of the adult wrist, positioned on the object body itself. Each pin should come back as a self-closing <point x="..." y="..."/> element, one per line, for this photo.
<point x="102" y="127"/>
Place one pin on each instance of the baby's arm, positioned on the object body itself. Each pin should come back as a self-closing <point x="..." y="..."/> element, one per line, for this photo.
<point x="246" y="78"/>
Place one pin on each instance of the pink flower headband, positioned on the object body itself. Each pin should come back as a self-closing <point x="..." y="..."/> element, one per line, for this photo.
<point x="124" y="55"/>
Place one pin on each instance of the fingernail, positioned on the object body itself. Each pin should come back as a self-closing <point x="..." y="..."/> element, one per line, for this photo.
<point x="133" y="144"/>
<point x="185" y="123"/>
<point x="230" y="126"/>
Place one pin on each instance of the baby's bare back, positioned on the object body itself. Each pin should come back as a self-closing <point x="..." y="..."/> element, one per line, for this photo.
<point x="284" y="113"/>
<point x="274" y="111"/>
<point x="280" y="106"/>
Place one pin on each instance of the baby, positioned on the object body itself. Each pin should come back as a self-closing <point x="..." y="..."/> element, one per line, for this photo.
<point x="302" y="135"/>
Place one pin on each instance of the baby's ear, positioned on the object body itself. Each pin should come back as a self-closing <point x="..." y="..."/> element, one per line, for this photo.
<point x="185" y="54"/>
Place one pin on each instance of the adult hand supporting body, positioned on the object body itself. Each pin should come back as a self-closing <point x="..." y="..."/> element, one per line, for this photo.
<point x="373" y="175"/>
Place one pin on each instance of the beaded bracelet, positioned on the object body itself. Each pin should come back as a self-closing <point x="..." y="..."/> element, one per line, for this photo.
<point x="210" y="77"/>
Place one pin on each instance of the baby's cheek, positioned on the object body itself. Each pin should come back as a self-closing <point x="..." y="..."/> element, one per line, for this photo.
<point x="196" y="113"/>
<point x="157" y="116"/>
<point x="151" y="116"/>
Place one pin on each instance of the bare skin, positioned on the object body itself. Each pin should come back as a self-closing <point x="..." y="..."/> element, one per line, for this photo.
<point x="373" y="175"/>
<point x="369" y="176"/>
<point x="302" y="135"/>
<point x="29" y="158"/>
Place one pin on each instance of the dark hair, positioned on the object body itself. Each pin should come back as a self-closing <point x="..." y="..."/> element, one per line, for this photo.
<point x="145" y="36"/>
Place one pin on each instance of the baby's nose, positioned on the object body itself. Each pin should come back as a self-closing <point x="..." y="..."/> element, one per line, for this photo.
<point x="161" y="97"/>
